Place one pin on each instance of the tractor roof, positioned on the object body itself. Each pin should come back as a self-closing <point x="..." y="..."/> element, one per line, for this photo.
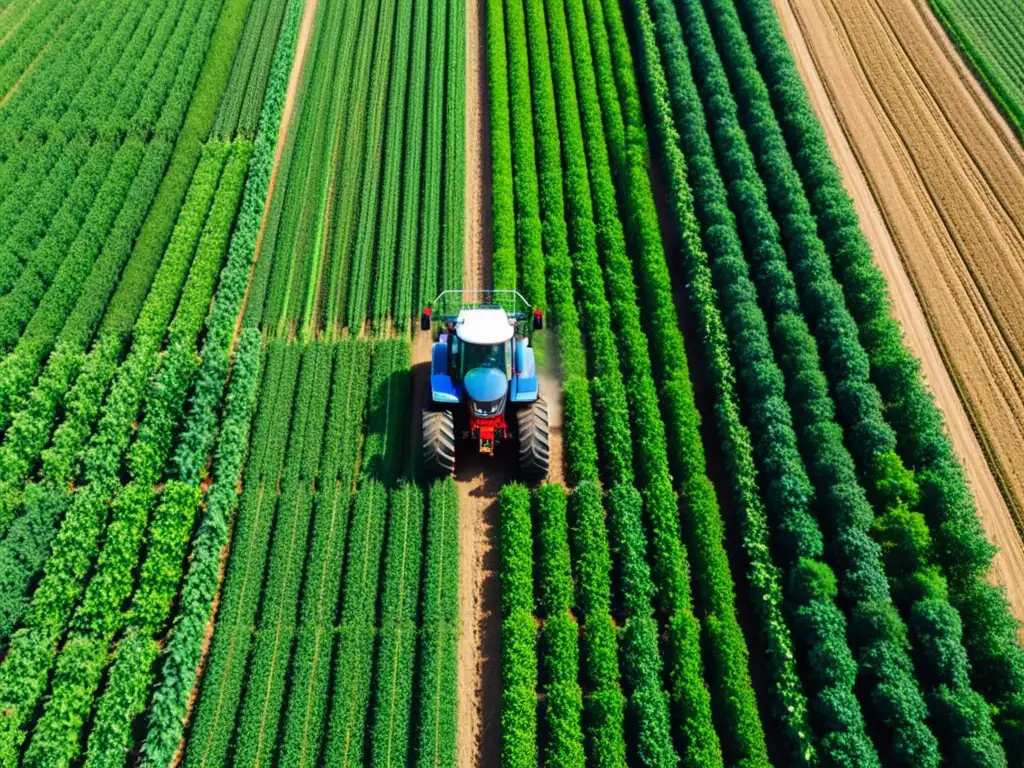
<point x="484" y="326"/>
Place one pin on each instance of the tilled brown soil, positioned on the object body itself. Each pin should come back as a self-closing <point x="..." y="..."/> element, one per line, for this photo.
<point x="938" y="180"/>
<point x="479" y="478"/>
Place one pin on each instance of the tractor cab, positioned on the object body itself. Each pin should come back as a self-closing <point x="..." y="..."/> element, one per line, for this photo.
<point x="483" y="380"/>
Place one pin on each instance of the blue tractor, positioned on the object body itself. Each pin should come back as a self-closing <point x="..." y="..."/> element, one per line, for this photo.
<point x="483" y="380"/>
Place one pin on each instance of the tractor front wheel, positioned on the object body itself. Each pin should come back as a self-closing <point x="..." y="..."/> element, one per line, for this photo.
<point x="534" y="449"/>
<point x="439" y="441"/>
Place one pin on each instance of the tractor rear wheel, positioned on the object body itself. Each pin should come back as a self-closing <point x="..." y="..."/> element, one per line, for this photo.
<point x="534" y="449"/>
<point x="439" y="441"/>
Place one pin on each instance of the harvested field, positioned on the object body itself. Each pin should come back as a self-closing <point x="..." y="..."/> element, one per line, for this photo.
<point x="947" y="177"/>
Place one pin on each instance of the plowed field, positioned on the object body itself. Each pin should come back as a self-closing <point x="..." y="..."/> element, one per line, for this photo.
<point x="939" y="182"/>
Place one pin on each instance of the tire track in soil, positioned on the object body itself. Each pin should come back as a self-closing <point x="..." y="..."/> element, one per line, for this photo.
<point x="937" y="184"/>
<point x="478" y="478"/>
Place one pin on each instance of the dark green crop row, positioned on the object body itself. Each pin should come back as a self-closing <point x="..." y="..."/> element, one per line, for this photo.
<point x="788" y="701"/>
<point x="438" y="654"/>
<point x="559" y="637"/>
<point x="529" y="255"/>
<point x="960" y="546"/>
<point x="412" y="170"/>
<point x="518" y="630"/>
<point x="432" y="212"/>
<point x="503" y="215"/>
<point x="453" y="210"/>
<point x="357" y="629"/>
<point x="259" y="721"/>
<point x="961" y="725"/>
<point x="393" y="171"/>
<point x="371" y="137"/>
<point x="396" y="645"/>
<point x="221" y="690"/>
<point x="703" y="528"/>
<point x="307" y="704"/>
<point x="243" y="93"/>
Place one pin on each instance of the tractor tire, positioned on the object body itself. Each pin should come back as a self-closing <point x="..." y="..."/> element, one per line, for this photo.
<point x="439" y="442"/>
<point x="534" y="448"/>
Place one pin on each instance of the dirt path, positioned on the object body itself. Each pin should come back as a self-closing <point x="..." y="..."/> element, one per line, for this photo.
<point x="939" y="189"/>
<point x="478" y="477"/>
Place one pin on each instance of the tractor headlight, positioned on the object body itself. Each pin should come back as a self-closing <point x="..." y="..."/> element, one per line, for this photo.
<point x="490" y="408"/>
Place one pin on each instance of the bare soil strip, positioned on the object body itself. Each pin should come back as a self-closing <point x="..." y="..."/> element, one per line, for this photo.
<point x="939" y="187"/>
<point x="479" y="478"/>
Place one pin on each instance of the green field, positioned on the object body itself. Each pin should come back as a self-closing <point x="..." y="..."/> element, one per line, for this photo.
<point x="218" y="543"/>
<point x="990" y="35"/>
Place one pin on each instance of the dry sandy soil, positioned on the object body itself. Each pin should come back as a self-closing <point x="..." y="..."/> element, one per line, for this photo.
<point x="938" y="180"/>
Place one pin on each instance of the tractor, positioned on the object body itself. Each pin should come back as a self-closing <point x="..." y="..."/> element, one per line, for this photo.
<point x="483" y="380"/>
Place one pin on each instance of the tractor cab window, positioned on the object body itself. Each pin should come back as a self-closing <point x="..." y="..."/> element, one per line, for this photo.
<point x="482" y="356"/>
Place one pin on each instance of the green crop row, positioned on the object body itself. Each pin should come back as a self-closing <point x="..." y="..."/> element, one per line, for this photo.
<point x="642" y="663"/>
<point x="503" y="215"/>
<point x="289" y="240"/>
<point x="131" y="676"/>
<point x="27" y="165"/>
<point x="221" y="689"/>
<point x="307" y="704"/>
<point x="959" y="723"/>
<point x="393" y="171"/>
<point x="372" y="139"/>
<point x="1002" y="89"/>
<point x="347" y="159"/>
<point x="605" y="707"/>
<point x="788" y="700"/>
<point x="387" y="424"/>
<point x="454" y="151"/>
<point x="798" y="543"/>
<point x="200" y="432"/>
<point x="318" y="240"/>
<point x="259" y="721"/>
<point x="29" y="39"/>
<point x="518" y="641"/>
<point x="438" y="654"/>
<point x="59" y="79"/>
<point x="559" y="637"/>
<point x="412" y="168"/>
<point x="431" y="212"/>
<point x="530" y="256"/>
<point x="92" y="250"/>
<point x="83" y="656"/>
<point x="243" y="95"/>
<point x="667" y="556"/>
<point x="69" y="191"/>
<point x="27" y="543"/>
<point x="396" y="646"/>
<point x="962" y="551"/>
<point x="350" y="708"/>
<point x="732" y="693"/>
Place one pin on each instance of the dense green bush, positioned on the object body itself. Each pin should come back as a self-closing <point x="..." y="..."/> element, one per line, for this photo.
<point x="990" y="632"/>
<point x="788" y="701"/>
